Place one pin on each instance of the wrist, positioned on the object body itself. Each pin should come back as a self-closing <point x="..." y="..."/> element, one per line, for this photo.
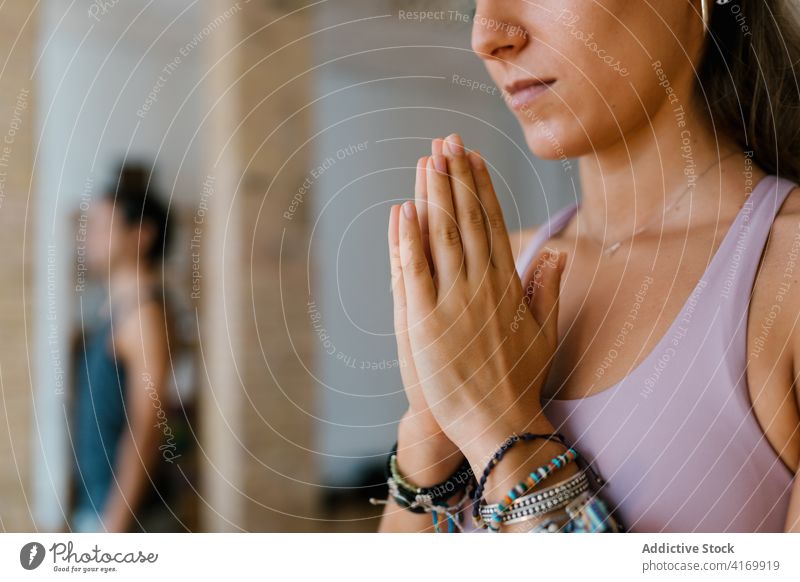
<point x="519" y="462"/>
<point x="424" y="454"/>
<point x="487" y="441"/>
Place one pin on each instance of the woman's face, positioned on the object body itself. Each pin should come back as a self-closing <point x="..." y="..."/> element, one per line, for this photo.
<point x="583" y="75"/>
<point x="109" y="240"/>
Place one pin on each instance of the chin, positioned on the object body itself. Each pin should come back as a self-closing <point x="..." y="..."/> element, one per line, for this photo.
<point x="547" y="142"/>
<point x="565" y="137"/>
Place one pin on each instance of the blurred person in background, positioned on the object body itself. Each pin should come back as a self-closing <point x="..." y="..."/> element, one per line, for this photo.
<point x="118" y="416"/>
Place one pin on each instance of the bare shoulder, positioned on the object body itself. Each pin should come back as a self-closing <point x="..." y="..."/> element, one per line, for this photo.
<point x="791" y="207"/>
<point x="775" y="305"/>
<point x="773" y="333"/>
<point x="781" y="254"/>
<point x="520" y="238"/>
<point x="143" y="326"/>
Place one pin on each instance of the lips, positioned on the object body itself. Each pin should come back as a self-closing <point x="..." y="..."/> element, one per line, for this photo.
<point x="524" y="91"/>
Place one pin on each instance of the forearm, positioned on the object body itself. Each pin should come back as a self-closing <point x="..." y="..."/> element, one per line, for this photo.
<point x="142" y="347"/>
<point x="425" y="461"/>
<point x="135" y="461"/>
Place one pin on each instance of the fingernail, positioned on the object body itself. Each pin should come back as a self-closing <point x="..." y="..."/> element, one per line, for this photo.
<point x="408" y="209"/>
<point x="422" y="163"/>
<point x="454" y="145"/>
<point x="440" y="164"/>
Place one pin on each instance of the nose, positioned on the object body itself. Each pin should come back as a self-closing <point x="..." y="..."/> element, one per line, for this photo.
<point x="496" y="34"/>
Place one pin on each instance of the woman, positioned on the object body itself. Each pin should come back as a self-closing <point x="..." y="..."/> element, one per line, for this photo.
<point x="642" y="334"/>
<point x="120" y="404"/>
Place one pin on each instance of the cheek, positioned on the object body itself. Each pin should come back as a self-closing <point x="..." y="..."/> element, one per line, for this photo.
<point x="607" y="87"/>
<point x="570" y="128"/>
<point x="594" y="106"/>
<point x="575" y="129"/>
<point x="102" y="242"/>
<point x="97" y="248"/>
<point x="96" y="239"/>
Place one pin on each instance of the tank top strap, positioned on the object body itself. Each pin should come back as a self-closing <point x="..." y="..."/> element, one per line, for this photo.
<point x="736" y="260"/>
<point x="733" y="269"/>
<point x="553" y="225"/>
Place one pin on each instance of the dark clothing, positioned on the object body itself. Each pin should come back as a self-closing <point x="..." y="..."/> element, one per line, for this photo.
<point x="99" y="419"/>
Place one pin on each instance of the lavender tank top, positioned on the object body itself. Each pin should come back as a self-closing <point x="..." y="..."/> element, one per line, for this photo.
<point x="676" y="440"/>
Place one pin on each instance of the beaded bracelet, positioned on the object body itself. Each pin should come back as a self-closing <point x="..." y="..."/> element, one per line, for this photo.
<point x="422" y="499"/>
<point x="534" y="478"/>
<point x="497" y="457"/>
<point x="551" y="505"/>
<point x="541" y="502"/>
<point x="587" y="513"/>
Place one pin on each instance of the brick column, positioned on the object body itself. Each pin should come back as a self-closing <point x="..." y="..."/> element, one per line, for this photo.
<point x="257" y="342"/>
<point x="18" y="28"/>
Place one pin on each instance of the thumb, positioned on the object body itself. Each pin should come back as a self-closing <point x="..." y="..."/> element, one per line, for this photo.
<point x="543" y="289"/>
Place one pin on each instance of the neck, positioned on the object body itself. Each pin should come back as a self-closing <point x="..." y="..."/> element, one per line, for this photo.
<point x="632" y="183"/>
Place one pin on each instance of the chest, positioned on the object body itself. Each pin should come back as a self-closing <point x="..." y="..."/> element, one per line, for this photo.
<point x="612" y="314"/>
<point x="616" y="312"/>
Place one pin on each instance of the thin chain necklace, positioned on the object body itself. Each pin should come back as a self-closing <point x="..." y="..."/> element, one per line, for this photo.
<point x="610" y="249"/>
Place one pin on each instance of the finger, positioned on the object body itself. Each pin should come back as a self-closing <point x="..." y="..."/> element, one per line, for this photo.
<point x="437" y="147"/>
<point x="399" y="297"/>
<point x="445" y="240"/>
<point x="499" y="244"/>
<point x="543" y="290"/>
<point x="421" y="200"/>
<point x="398" y="289"/>
<point x="469" y="213"/>
<point x="417" y="280"/>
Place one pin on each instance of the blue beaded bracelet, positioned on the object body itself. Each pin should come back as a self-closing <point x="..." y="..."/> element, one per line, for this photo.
<point x="534" y="478"/>
<point x="477" y="493"/>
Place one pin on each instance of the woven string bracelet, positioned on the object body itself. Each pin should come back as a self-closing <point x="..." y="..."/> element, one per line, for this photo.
<point x="422" y="499"/>
<point x="477" y="494"/>
<point x="451" y="512"/>
<point x="535" y="477"/>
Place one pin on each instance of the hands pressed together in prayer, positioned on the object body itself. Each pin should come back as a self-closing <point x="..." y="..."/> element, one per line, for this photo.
<point x="475" y="344"/>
